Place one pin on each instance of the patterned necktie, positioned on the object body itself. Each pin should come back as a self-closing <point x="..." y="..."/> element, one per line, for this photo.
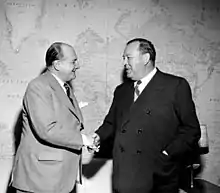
<point x="136" y="88"/>
<point x="67" y="87"/>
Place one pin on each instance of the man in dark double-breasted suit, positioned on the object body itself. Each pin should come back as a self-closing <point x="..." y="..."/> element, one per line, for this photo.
<point x="154" y="124"/>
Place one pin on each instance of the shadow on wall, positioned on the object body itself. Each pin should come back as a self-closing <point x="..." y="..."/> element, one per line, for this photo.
<point x="17" y="131"/>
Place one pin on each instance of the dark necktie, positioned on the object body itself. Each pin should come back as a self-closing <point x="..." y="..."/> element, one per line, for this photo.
<point x="136" y="88"/>
<point x="67" y="87"/>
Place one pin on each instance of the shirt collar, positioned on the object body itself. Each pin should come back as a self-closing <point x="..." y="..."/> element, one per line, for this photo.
<point x="145" y="80"/>
<point x="61" y="83"/>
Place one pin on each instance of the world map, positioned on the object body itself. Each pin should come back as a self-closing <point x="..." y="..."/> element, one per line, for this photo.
<point x="187" y="44"/>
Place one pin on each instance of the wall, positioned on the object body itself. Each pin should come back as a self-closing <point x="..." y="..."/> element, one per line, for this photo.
<point x="185" y="34"/>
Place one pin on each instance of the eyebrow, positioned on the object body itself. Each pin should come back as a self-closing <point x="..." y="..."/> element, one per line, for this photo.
<point x="128" y="55"/>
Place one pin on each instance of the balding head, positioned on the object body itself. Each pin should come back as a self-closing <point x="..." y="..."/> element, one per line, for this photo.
<point x="55" y="52"/>
<point x="61" y="60"/>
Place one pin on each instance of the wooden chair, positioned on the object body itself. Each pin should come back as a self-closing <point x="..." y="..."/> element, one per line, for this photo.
<point x="192" y="163"/>
<point x="202" y="149"/>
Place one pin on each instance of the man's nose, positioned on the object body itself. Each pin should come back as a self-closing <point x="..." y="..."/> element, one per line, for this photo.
<point x="125" y="62"/>
<point x="77" y="66"/>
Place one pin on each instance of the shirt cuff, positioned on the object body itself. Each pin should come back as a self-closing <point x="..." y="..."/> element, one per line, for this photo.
<point x="86" y="141"/>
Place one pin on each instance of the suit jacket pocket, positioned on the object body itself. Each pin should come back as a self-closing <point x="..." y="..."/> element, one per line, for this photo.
<point x="165" y="164"/>
<point x="49" y="171"/>
<point x="50" y="156"/>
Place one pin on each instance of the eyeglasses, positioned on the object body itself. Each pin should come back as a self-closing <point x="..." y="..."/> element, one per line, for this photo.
<point x="128" y="58"/>
<point x="71" y="62"/>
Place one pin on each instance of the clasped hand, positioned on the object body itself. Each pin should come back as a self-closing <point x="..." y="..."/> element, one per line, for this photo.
<point x="92" y="142"/>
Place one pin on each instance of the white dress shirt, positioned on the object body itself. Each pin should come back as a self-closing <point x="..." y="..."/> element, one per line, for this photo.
<point x="144" y="82"/>
<point x="59" y="81"/>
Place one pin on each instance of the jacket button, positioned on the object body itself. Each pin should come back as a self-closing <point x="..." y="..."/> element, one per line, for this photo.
<point x="139" y="131"/>
<point x="121" y="149"/>
<point x="123" y="131"/>
<point x="148" y="111"/>
<point x="138" y="151"/>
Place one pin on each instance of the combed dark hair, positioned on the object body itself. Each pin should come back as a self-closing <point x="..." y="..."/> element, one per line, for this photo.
<point x="145" y="46"/>
<point x="54" y="52"/>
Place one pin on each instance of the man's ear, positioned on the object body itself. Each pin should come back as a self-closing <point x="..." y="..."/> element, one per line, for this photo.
<point x="56" y="64"/>
<point x="146" y="58"/>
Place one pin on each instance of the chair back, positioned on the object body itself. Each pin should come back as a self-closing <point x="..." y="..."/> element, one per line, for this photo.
<point x="204" y="140"/>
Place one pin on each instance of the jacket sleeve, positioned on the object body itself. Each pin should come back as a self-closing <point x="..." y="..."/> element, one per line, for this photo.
<point x="107" y="129"/>
<point x="39" y="108"/>
<point x="189" y="129"/>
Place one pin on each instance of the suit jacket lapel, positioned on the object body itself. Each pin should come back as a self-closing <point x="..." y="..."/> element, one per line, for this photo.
<point x="155" y="85"/>
<point x="75" y="104"/>
<point x="127" y="102"/>
<point x="62" y="95"/>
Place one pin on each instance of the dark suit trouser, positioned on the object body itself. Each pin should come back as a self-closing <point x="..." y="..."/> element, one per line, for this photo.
<point x="168" y="184"/>
<point x="161" y="184"/>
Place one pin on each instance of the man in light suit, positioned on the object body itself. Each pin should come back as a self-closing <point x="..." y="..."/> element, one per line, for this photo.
<point x="49" y="153"/>
<point x="154" y="124"/>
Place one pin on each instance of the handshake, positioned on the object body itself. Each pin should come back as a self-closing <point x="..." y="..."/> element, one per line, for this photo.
<point x="92" y="142"/>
